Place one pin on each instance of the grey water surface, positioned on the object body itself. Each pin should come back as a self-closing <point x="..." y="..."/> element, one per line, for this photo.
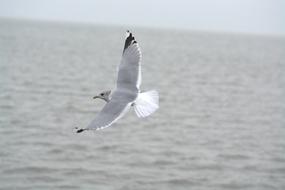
<point x="220" y="124"/>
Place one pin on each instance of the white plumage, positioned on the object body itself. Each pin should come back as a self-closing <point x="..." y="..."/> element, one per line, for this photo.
<point x="127" y="92"/>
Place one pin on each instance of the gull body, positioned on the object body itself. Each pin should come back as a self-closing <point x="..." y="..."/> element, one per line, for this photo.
<point x="127" y="92"/>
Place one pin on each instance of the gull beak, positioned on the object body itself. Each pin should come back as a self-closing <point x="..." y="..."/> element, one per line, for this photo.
<point x="95" y="97"/>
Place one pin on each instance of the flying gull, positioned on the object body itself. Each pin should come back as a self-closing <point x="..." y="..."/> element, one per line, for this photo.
<point x="127" y="92"/>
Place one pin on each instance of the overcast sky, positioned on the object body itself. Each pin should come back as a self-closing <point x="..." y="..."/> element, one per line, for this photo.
<point x="249" y="16"/>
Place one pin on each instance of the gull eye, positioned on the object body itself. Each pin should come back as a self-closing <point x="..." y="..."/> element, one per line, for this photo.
<point x="102" y="94"/>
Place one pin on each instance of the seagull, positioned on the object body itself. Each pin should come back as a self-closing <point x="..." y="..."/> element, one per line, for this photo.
<point x="127" y="93"/>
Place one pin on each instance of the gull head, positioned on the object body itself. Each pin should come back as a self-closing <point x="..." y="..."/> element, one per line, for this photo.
<point x="105" y="95"/>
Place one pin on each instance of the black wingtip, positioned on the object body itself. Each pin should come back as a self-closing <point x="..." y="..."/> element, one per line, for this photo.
<point x="128" y="34"/>
<point x="129" y="40"/>
<point x="79" y="130"/>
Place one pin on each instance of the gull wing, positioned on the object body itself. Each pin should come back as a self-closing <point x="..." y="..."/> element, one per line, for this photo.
<point x="128" y="82"/>
<point x="111" y="112"/>
<point x="129" y="73"/>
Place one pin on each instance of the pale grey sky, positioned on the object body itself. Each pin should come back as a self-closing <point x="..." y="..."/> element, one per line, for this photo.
<point x="248" y="16"/>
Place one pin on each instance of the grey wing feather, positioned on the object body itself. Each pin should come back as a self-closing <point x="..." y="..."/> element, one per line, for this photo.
<point x="129" y="74"/>
<point x="110" y="113"/>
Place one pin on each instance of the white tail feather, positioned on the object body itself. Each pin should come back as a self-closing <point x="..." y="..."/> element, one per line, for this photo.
<point x="146" y="103"/>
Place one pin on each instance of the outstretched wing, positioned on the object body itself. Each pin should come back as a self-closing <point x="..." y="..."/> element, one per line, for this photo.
<point x="128" y="82"/>
<point x="111" y="112"/>
<point x="129" y="74"/>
